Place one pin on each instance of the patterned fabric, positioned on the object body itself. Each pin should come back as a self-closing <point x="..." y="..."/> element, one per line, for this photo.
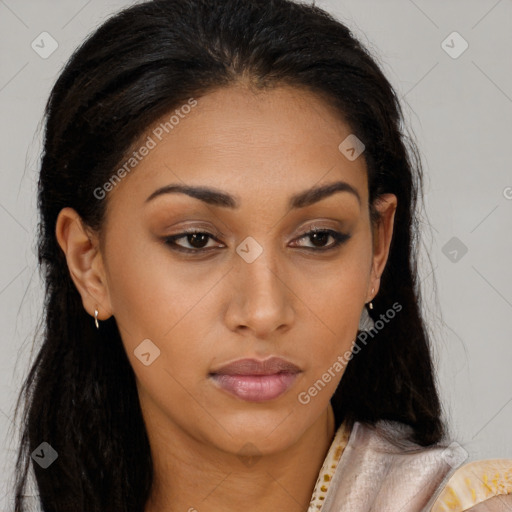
<point x="457" y="490"/>
<point x="328" y="468"/>
<point x="474" y="483"/>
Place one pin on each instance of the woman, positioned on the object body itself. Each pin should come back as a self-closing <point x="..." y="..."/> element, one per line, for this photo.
<point x="228" y="219"/>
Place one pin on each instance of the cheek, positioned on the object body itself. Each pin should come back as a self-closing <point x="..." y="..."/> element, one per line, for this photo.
<point x="152" y="299"/>
<point x="146" y="293"/>
<point x="336" y="293"/>
<point x="333" y="332"/>
<point x="334" y="301"/>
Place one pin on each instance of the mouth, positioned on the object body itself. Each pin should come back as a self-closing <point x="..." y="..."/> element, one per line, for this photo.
<point x="256" y="381"/>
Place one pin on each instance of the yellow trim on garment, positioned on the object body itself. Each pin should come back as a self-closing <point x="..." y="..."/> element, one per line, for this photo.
<point x="474" y="483"/>
<point x="329" y="467"/>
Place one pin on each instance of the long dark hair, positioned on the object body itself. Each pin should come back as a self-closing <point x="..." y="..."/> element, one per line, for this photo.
<point x="80" y="395"/>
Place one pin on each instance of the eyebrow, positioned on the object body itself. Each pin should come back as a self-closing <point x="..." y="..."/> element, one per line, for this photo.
<point x="216" y="197"/>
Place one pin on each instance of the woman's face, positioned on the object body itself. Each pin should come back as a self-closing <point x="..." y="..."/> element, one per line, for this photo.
<point x="253" y="283"/>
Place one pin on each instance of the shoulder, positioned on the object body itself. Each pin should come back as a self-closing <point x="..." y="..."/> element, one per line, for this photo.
<point x="478" y="486"/>
<point x="381" y="468"/>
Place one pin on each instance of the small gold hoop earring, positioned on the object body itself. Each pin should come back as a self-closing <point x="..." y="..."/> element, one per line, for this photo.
<point x="96" y="319"/>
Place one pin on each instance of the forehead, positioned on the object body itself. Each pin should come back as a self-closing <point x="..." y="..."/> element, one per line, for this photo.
<point x="268" y="143"/>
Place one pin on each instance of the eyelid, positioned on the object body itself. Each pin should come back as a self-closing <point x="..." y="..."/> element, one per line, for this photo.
<point x="214" y="235"/>
<point x="170" y="240"/>
<point x="200" y="229"/>
<point x="339" y="238"/>
<point x="318" y="226"/>
<point x="209" y="230"/>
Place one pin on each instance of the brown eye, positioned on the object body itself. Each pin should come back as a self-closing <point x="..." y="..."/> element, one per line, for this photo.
<point x="319" y="237"/>
<point x="197" y="241"/>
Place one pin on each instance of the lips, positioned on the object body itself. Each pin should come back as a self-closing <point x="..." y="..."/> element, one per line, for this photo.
<point x="256" y="381"/>
<point x="255" y="367"/>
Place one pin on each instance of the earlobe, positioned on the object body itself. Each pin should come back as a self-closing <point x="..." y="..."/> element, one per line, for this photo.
<point x="84" y="261"/>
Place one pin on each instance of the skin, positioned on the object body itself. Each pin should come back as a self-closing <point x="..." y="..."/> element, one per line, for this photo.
<point x="204" y="312"/>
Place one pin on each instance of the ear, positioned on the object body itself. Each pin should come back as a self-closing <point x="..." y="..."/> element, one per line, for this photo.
<point x="386" y="205"/>
<point x="85" y="263"/>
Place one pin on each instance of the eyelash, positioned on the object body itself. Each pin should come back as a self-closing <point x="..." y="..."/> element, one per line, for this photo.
<point x="339" y="239"/>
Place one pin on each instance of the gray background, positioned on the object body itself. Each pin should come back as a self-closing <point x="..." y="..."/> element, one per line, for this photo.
<point x="460" y="110"/>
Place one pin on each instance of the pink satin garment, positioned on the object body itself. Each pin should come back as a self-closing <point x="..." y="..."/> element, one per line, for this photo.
<point x="380" y="471"/>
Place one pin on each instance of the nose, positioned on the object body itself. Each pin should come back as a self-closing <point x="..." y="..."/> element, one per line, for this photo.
<point x="261" y="299"/>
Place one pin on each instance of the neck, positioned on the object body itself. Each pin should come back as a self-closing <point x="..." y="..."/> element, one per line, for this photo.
<point x="195" y="478"/>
